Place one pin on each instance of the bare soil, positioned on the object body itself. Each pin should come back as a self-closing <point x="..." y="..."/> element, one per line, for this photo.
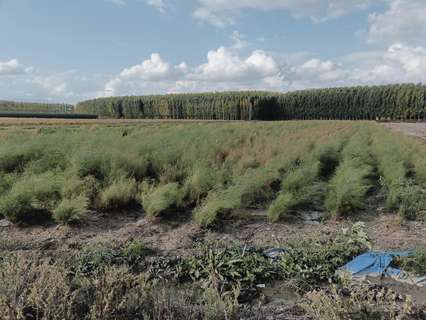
<point x="416" y="129"/>
<point x="177" y="237"/>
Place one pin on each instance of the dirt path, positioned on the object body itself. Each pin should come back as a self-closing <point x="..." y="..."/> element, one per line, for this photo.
<point x="411" y="129"/>
<point x="177" y="238"/>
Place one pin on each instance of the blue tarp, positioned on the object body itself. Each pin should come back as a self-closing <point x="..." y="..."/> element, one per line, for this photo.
<point x="375" y="263"/>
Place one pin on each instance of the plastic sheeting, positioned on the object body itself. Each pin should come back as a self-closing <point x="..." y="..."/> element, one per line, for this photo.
<point x="378" y="264"/>
<point x="375" y="263"/>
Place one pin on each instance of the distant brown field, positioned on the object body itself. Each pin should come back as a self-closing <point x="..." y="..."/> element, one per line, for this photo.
<point x="40" y="121"/>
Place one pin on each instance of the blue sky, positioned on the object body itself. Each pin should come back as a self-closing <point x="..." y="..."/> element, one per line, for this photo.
<point x="71" y="50"/>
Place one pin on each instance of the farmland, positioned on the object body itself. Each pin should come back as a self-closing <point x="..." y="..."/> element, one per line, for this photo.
<point x="161" y="220"/>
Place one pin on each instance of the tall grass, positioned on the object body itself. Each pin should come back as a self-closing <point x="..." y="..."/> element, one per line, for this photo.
<point x="214" y="170"/>
<point x="398" y="165"/>
<point x="354" y="177"/>
<point x="304" y="186"/>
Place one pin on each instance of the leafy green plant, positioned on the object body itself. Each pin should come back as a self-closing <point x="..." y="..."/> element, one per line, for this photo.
<point x="312" y="261"/>
<point x="230" y="265"/>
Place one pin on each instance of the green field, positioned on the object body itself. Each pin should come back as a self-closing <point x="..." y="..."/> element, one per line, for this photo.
<point x="209" y="171"/>
<point x="170" y="220"/>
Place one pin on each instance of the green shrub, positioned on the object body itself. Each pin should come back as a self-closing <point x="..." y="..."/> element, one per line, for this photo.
<point x="71" y="211"/>
<point x="217" y="205"/>
<point x="198" y="185"/>
<point x="121" y="194"/>
<point x="129" y="164"/>
<point x="92" y="163"/>
<point x="282" y="206"/>
<point x="407" y="197"/>
<point x="31" y="198"/>
<point x="75" y="186"/>
<point x="162" y="199"/>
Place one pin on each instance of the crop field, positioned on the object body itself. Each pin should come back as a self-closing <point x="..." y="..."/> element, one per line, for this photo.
<point x="169" y="220"/>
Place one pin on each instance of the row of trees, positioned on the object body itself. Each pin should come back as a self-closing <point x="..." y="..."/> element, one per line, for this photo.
<point x="9" y="106"/>
<point x="404" y="101"/>
<point x="217" y="106"/>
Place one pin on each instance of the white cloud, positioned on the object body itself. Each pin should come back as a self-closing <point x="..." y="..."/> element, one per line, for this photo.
<point x="158" y="4"/>
<point x="403" y="21"/>
<point x="153" y="73"/>
<point x="397" y="64"/>
<point x="224" y="70"/>
<point x="223" y="12"/>
<point x="318" y="70"/>
<point x="152" y="69"/>
<point x="118" y="3"/>
<point x="239" y="40"/>
<point x="223" y="64"/>
<point x="13" y="67"/>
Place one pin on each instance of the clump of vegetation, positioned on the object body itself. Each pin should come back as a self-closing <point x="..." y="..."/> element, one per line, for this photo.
<point x="395" y="164"/>
<point x="304" y="187"/>
<point x="31" y="198"/>
<point x="121" y="194"/>
<point x="230" y="265"/>
<point x="162" y="199"/>
<point x="94" y="259"/>
<point x="71" y="211"/>
<point x="312" y="261"/>
<point x="357" y="301"/>
<point x="415" y="264"/>
<point x="353" y="178"/>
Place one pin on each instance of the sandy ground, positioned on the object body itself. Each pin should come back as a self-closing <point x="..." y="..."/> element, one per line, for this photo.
<point x="417" y="129"/>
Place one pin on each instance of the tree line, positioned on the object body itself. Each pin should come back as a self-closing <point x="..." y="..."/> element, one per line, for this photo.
<point x="387" y="102"/>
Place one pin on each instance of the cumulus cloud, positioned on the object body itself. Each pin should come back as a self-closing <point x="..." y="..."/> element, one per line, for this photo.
<point x="403" y="21"/>
<point x="226" y="69"/>
<point x="223" y="12"/>
<point x="13" y="67"/>
<point x="153" y="72"/>
<point x="397" y="64"/>
<point x="223" y="70"/>
<point x="152" y="69"/>
<point x="223" y="64"/>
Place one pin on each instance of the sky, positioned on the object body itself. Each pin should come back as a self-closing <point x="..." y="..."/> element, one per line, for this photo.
<point x="73" y="50"/>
